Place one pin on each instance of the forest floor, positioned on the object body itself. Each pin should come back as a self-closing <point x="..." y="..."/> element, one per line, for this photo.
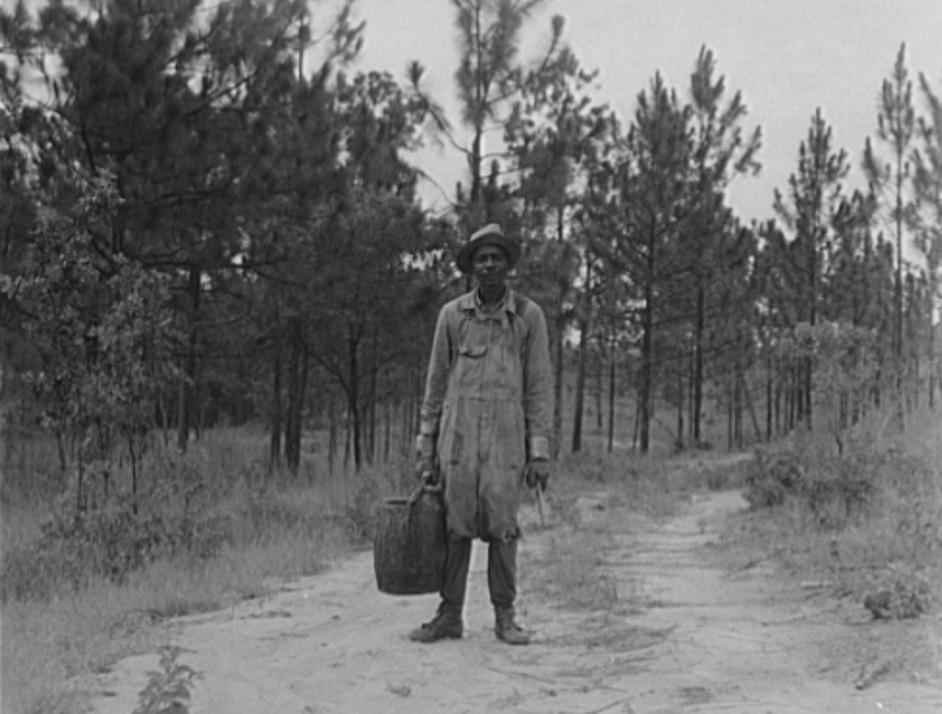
<point x="628" y="614"/>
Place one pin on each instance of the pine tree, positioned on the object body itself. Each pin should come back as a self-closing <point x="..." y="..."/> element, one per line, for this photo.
<point x="722" y="153"/>
<point x="648" y="205"/>
<point x="896" y="126"/>
<point x="555" y="135"/>
<point x="926" y="220"/>
<point x="813" y="199"/>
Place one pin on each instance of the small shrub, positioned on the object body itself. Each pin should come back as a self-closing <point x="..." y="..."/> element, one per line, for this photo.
<point x="771" y="476"/>
<point x="906" y="597"/>
<point x="838" y="490"/>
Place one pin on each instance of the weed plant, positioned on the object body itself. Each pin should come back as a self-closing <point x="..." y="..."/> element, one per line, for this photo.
<point x="168" y="689"/>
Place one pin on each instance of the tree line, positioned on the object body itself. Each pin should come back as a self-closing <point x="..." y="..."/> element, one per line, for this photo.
<point x="208" y="217"/>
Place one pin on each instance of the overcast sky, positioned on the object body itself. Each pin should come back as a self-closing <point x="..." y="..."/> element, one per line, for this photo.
<point x="786" y="57"/>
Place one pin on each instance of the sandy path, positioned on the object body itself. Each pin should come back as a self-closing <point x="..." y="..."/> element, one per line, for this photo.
<point x="683" y="632"/>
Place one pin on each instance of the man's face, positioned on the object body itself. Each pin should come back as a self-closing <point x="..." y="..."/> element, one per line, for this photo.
<point x="490" y="265"/>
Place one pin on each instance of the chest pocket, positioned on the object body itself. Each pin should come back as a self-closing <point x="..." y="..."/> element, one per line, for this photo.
<point x="470" y="369"/>
<point x="474" y="339"/>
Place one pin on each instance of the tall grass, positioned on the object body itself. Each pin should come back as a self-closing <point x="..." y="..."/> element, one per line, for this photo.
<point x="264" y="528"/>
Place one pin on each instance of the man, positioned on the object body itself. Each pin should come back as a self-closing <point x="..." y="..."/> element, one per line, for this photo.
<point x="485" y="428"/>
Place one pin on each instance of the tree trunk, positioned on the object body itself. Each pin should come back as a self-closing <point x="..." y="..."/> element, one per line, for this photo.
<point x="689" y="368"/>
<point x="373" y="399"/>
<point x="645" y="375"/>
<point x="580" y="388"/>
<point x="611" y="398"/>
<point x="738" y="391"/>
<point x="274" y="448"/>
<point x="809" y="392"/>
<point x="583" y="357"/>
<point x="699" y="330"/>
<point x="331" y="435"/>
<point x="295" y="398"/>
<point x="558" y="380"/>
<point x="599" y="423"/>
<point x="560" y="355"/>
<point x="750" y="405"/>
<point x="679" y="441"/>
<point x="930" y="356"/>
<point x="297" y="392"/>
<point x="353" y="405"/>
<point x="387" y="430"/>
<point x="187" y="386"/>
<point x="768" y="398"/>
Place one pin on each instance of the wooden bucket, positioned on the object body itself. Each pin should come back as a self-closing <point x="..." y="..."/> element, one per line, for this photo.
<point x="409" y="547"/>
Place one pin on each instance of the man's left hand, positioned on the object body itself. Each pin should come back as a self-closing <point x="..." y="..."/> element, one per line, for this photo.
<point x="537" y="473"/>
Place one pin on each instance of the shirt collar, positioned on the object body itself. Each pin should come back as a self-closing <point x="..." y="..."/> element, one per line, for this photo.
<point x="471" y="302"/>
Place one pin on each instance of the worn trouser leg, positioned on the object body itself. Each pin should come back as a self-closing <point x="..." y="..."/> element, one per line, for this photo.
<point x="457" y="563"/>
<point x="502" y="572"/>
<point x="502" y="581"/>
<point x="447" y="622"/>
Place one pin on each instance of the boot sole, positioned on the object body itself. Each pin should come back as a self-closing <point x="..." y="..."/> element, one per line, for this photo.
<point x="429" y="639"/>
<point x="511" y="641"/>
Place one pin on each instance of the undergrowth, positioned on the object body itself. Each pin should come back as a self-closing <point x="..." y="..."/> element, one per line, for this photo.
<point x="206" y="530"/>
<point x="868" y="522"/>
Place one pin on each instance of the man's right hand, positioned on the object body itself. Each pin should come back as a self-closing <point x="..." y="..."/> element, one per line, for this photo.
<point x="425" y="469"/>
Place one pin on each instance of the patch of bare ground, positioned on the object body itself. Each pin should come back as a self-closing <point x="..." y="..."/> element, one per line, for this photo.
<point x="629" y="614"/>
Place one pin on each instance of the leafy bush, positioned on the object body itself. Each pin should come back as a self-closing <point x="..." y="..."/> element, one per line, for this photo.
<point x="905" y="597"/>
<point x="833" y="489"/>
<point x="773" y="475"/>
<point x="840" y="488"/>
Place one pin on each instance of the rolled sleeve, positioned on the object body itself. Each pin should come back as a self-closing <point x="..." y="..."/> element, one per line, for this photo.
<point x="537" y="386"/>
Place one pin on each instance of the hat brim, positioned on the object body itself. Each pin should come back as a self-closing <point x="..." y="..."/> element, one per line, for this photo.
<point x="466" y="254"/>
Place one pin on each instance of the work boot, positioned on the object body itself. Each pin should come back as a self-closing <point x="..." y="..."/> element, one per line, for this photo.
<point x="506" y="629"/>
<point x="445" y="624"/>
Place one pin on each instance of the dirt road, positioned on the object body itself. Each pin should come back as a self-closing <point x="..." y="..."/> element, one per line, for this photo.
<point x="684" y="628"/>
